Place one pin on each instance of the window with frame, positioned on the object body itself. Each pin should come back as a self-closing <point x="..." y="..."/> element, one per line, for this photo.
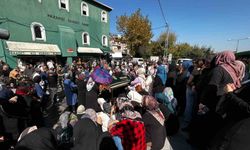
<point x="84" y="9"/>
<point x="85" y="38"/>
<point x="38" y="32"/>
<point x="63" y="4"/>
<point x="104" y="40"/>
<point x="104" y="16"/>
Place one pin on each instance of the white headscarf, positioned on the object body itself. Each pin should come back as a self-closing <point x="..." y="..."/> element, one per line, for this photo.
<point x="90" y="84"/>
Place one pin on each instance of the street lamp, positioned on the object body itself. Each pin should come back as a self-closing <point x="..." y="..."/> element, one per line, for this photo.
<point x="238" y="41"/>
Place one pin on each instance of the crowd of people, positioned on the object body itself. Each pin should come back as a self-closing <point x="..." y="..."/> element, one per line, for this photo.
<point x="211" y="96"/>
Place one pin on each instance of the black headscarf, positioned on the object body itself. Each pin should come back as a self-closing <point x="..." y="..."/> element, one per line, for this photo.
<point x="40" y="139"/>
<point x="85" y="135"/>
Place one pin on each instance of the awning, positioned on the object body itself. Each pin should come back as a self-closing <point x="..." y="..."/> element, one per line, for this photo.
<point x="23" y="48"/>
<point x="89" y="50"/>
<point x="116" y="55"/>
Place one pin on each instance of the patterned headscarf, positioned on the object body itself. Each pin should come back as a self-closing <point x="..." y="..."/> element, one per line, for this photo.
<point x="152" y="107"/>
<point x="225" y="57"/>
<point x="122" y="104"/>
<point x="241" y="69"/>
<point x="227" y="61"/>
<point x="91" y="113"/>
<point x="122" y="101"/>
<point x="64" y="119"/>
<point x="150" y="103"/>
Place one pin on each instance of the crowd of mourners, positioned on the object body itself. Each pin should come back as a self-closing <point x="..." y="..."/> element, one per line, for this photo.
<point x="209" y="97"/>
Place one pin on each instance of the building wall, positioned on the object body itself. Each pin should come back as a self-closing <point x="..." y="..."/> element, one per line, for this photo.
<point x="117" y="46"/>
<point x="17" y="16"/>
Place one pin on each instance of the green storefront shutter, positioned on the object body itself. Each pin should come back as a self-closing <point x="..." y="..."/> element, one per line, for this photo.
<point x="67" y="41"/>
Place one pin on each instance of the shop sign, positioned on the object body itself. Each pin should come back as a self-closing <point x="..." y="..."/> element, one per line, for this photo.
<point x="64" y="19"/>
<point x="32" y="53"/>
<point x="70" y="50"/>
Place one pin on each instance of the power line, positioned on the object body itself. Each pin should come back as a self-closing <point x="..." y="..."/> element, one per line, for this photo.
<point x="167" y="28"/>
<point x="160" y="27"/>
<point x="163" y="15"/>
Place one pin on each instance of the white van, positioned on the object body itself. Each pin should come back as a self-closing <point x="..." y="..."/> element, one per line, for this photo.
<point x="181" y="60"/>
<point x="139" y="61"/>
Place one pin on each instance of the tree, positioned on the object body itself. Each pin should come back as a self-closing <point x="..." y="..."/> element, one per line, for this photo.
<point x="156" y="48"/>
<point x="179" y="50"/>
<point x="171" y="39"/>
<point x="136" y="29"/>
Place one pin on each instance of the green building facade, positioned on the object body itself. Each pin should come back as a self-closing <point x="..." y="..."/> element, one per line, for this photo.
<point x="61" y="29"/>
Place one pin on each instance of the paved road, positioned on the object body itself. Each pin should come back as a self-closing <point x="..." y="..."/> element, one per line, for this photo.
<point x="178" y="141"/>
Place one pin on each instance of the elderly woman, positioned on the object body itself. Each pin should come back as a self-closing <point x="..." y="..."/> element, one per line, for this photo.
<point x="154" y="123"/>
<point x="42" y="139"/>
<point x="127" y="128"/>
<point x="85" y="135"/>
<point x="139" y="80"/>
<point x="87" y="131"/>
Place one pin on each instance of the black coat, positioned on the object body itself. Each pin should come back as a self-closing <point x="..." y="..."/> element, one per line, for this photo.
<point x="215" y="88"/>
<point x="81" y="86"/>
<point x="234" y="107"/>
<point x="235" y="138"/>
<point x="41" y="139"/>
<point x="91" y="98"/>
<point x="85" y="135"/>
<point x="155" y="132"/>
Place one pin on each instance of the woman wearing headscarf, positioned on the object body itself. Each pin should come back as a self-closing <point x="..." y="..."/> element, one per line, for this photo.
<point x="233" y="107"/>
<point x="91" y="114"/>
<point x="81" y="84"/>
<point x="154" y="123"/>
<point x="40" y="139"/>
<point x="159" y="80"/>
<point x="139" y="80"/>
<point x="149" y="80"/>
<point x="181" y="81"/>
<point x="127" y="127"/>
<point x="85" y="135"/>
<point x="92" y="95"/>
<point x="159" y="86"/>
<point x="64" y="129"/>
<point x="70" y="89"/>
<point x="225" y="72"/>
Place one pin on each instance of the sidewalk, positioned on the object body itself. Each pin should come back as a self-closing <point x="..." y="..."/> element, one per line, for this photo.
<point x="178" y="141"/>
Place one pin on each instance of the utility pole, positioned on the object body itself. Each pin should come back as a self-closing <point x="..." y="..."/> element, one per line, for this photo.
<point x="238" y="42"/>
<point x="166" y="41"/>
